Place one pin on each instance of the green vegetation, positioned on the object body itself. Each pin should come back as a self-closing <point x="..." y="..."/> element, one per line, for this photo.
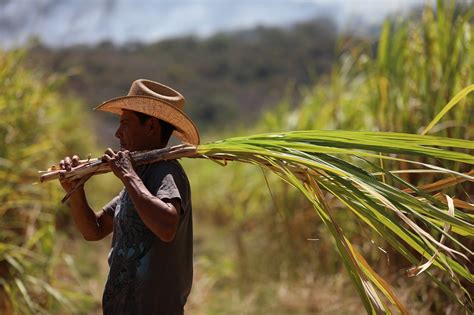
<point x="227" y="78"/>
<point x="310" y="161"/>
<point x="417" y="68"/>
<point x="38" y="125"/>
<point x="262" y="246"/>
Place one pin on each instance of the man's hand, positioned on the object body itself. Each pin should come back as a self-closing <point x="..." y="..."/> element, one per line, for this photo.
<point x="120" y="163"/>
<point x="160" y="216"/>
<point x="67" y="164"/>
<point x="93" y="226"/>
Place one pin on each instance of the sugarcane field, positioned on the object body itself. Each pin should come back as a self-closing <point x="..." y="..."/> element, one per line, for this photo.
<point x="250" y="157"/>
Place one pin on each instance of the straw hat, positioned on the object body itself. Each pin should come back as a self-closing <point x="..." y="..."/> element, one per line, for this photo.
<point x="156" y="100"/>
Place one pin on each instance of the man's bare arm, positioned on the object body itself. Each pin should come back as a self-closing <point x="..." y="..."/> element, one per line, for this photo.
<point x="160" y="216"/>
<point x="93" y="226"/>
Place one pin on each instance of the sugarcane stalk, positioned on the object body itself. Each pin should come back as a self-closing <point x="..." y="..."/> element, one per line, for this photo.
<point x="90" y="167"/>
<point x="97" y="166"/>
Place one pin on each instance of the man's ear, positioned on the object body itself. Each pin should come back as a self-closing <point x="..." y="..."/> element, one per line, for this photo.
<point x="154" y="126"/>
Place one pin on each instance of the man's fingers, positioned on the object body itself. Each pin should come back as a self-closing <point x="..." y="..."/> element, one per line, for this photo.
<point x="107" y="158"/>
<point x="109" y="155"/>
<point x="109" y="151"/>
<point x="125" y="154"/>
<point x="75" y="160"/>
<point x="67" y="163"/>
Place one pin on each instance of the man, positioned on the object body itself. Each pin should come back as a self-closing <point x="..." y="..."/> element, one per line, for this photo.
<point x="151" y="219"/>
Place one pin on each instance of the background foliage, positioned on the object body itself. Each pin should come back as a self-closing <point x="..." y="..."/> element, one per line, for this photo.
<point x="38" y="267"/>
<point x="227" y="78"/>
<point x="37" y="126"/>
<point x="416" y="68"/>
<point x="259" y="247"/>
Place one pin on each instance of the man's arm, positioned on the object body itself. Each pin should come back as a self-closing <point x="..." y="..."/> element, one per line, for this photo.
<point x="93" y="226"/>
<point x="160" y="216"/>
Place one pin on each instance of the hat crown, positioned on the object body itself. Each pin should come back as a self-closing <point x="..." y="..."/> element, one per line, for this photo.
<point x="157" y="90"/>
<point x="159" y="101"/>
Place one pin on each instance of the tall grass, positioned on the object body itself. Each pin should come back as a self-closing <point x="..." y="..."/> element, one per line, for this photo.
<point x="37" y="125"/>
<point x="419" y="64"/>
<point x="309" y="161"/>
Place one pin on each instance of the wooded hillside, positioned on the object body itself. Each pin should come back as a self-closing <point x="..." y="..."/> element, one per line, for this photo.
<point x="227" y="78"/>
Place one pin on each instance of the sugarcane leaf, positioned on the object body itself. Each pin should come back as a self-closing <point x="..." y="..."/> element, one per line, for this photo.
<point x="24" y="293"/>
<point x="378" y="281"/>
<point x="455" y="100"/>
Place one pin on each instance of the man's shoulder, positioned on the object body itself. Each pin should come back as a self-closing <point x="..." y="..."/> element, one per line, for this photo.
<point x="170" y="166"/>
<point x="162" y="169"/>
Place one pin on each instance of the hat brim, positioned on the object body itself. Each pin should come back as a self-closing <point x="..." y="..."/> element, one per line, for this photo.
<point x="185" y="128"/>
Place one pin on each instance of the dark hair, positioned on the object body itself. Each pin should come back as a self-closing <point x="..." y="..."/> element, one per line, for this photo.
<point x="166" y="128"/>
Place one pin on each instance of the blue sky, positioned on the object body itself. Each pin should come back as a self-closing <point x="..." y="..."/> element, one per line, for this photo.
<point x="65" y="22"/>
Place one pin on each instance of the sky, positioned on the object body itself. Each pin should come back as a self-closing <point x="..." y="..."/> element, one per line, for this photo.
<point x="67" y="22"/>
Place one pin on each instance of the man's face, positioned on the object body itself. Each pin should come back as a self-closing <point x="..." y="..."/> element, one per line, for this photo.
<point x="133" y="136"/>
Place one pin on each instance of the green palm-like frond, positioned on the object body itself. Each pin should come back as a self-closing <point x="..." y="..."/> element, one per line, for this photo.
<point x="320" y="162"/>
